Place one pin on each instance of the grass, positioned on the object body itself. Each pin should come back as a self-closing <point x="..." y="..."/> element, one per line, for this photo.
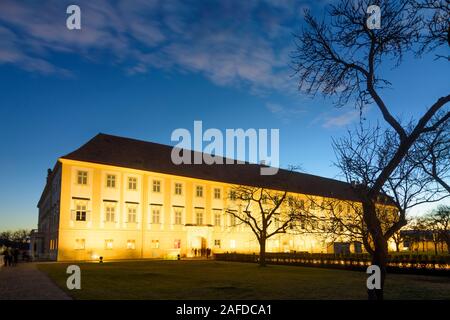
<point x="229" y="280"/>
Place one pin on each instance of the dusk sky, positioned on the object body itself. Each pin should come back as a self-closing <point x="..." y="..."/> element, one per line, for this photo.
<point x="141" y="69"/>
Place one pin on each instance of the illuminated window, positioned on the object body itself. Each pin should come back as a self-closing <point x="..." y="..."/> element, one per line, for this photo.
<point x="81" y="212"/>
<point x="217" y="243"/>
<point x="217" y="193"/>
<point x="131" y="244"/>
<point x="233" y="220"/>
<point x="199" y="217"/>
<point x="199" y="191"/>
<point x="178" y="216"/>
<point x="110" y="213"/>
<point x="233" y="244"/>
<point x="217" y="219"/>
<point x="155" y="244"/>
<point x="177" y="244"/>
<point x="156" y="186"/>
<point x="110" y="181"/>
<point x="82" y="177"/>
<point x="80" y="244"/>
<point x="302" y="204"/>
<point x="178" y="189"/>
<point x="109" y="244"/>
<point x="156" y="214"/>
<point x="132" y="183"/>
<point x="132" y="214"/>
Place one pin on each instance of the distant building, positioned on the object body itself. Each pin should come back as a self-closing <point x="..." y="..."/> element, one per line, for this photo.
<point x="423" y="241"/>
<point x="121" y="198"/>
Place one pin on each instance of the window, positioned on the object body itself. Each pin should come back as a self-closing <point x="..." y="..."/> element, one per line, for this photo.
<point x="82" y="177"/>
<point x="217" y="243"/>
<point x="312" y="205"/>
<point x="178" y="216"/>
<point x="109" y="244"/>
<point x="340" y="208"/>
<point x="110" y="213"/>
<point x="110" y="181"/>
<point x="233" y="244"/>
<point x="216" y="193"/>
<point x="232" y="220"/>
<point x="217" y="219"/>
<point x="132" y="214"/>
<point x="132" y="183"/>
<point x="178" y="189"/>
<point x="156" y="214"/>
<point x="199" y="217"/>
<point x="177" y="244"/>
<point x="131" y="244"/>
<point x="302" y="204"/>
<point x="232" y="195"/>
<point x="199" y="191"/>
<point x="155" y="244"/>
<point x="156" y="186"/>
<point x="80" y="244"/>
<point x="81" y="212"/>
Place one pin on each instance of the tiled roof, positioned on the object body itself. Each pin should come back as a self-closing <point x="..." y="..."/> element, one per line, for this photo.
<point x="149" y="156"/>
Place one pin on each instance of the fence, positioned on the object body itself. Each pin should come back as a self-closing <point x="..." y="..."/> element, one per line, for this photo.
<point x="398" y="263"/>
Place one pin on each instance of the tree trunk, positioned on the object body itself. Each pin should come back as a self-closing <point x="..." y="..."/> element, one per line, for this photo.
<point x="379" y="259"/>
<point x="262" y="252"/>
<point x="380" y="252"/>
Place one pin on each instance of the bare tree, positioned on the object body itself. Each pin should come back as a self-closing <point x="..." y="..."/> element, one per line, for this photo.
<point x="362" y="156"/>
<point x="265" y="212"/>
<point x="398" y="238"/>
<point x="341" y="57"/>
<point x="436" y="22"/>
<point x="438" y="222"/>
<point x="432" y="153"/>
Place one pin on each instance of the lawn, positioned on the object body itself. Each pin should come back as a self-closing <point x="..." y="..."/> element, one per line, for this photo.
<point x="228" y="280"/>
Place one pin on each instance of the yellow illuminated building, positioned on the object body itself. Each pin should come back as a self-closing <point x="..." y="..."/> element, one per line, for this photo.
<point x="121" y="198"/>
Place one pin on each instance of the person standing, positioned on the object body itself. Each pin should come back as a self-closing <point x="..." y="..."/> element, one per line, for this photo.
<point x="5" y="257"/>
<point x="15" y="256"/>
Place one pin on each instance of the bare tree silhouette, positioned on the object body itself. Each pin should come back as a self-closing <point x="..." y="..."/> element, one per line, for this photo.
<point x="340" y="57"/>
<point x="266" y="212"/>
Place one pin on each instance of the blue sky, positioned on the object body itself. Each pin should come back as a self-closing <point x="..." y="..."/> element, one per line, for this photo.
<point x="144" y="68"/>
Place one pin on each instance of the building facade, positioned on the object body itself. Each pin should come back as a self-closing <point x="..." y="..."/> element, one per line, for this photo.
<point x="119" y="198"/>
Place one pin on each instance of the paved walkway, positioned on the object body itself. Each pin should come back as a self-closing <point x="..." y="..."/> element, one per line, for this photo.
<point x="26" y="282"/>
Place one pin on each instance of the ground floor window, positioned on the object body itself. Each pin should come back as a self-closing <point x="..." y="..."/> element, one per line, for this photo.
<point x="217" y="243"/>
<point x="155" y="244"/>
<point x="109" y="243"/>
<point x="131" y="244"/>
<point x="80" y="244"/>
<point x="177" y="244"/>
<point x="233" y="244"/>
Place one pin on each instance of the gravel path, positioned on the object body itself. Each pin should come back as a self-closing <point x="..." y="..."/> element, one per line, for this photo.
<point x="26" y="282"/>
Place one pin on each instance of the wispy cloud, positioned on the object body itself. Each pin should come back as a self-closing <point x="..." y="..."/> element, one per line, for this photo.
<point x="344" y="118"/>
<point x="232" y="43"/>
<point x="286" y="114"/>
